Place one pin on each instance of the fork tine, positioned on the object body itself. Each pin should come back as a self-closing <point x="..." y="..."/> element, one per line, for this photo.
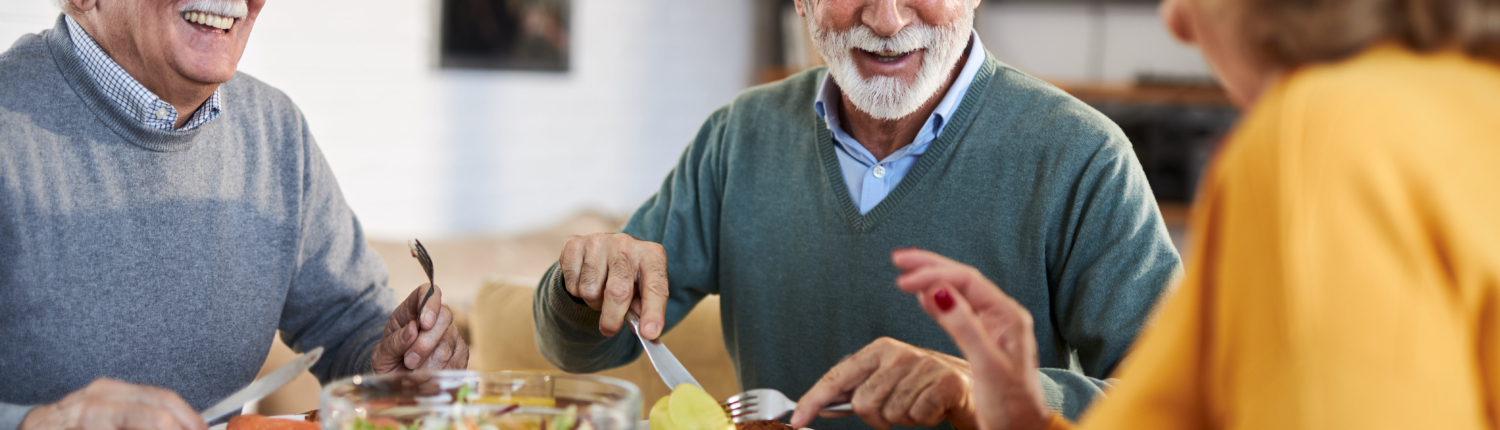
<point x="420" y="252"/>
<point x="738" y="400"/>
<point x="424" y="258"/>
<point x="744" y="404"/>
<point x="743" y="412"/>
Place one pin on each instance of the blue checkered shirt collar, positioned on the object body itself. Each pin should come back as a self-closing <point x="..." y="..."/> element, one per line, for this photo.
<point x="130" y="95"/>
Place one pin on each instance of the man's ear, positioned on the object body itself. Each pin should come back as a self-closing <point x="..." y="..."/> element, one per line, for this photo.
<point x="84" y="5"/>
<point x="801" y="9"/>
<point x="1176" y="16"/>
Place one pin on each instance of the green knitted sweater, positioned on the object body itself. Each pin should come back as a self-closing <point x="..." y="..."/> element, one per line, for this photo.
<point x="1034" y="188"/>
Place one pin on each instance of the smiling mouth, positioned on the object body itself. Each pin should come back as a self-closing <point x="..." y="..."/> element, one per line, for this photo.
<point x="217" y="23"/>
<point x="888" y="56"/>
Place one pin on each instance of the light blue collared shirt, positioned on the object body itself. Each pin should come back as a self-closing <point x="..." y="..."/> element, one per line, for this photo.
<point x="128" y="93"/>
<point x="870" y="180"/>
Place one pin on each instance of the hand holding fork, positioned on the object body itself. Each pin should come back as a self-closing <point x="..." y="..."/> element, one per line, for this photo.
<point x="420" y="333"/>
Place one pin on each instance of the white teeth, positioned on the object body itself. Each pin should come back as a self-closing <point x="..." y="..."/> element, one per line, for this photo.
<point x="215" y="21"/>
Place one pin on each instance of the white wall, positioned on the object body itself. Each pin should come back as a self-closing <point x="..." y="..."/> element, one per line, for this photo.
<point x="1082" y="42"/>
<point x="18" y="17"/>
<point x="426" y="152"/>
<point x="422" y="151"/>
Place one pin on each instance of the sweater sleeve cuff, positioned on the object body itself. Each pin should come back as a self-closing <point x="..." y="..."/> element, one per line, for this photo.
<point x="12" y="415"/>
<point x="567" y="332"/>
<point x="564" y="307"/>
<point x="1052" y="393"/>
<point x="1068" y="392"/>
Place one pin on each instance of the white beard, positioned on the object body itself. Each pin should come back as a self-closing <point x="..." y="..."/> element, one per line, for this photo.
<point x="885" y="97"/>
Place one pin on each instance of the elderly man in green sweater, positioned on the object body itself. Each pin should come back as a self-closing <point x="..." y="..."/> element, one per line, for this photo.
<point x="789" y="201"/>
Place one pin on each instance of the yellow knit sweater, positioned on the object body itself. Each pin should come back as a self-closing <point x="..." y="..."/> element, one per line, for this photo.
<point x="1346" y="261"/>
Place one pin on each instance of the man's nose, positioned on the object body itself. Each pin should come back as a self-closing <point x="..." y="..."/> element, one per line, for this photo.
<point x="887" y="17"/>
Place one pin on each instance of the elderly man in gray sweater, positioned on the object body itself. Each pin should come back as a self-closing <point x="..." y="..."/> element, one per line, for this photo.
<point x="162" y="216"/>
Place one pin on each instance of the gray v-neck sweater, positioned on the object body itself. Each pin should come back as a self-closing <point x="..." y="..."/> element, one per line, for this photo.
<point x="1037" y="190"/>
<point x="167" y="258"/>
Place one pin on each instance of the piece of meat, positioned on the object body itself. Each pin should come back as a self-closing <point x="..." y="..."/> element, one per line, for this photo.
<point x="261" y="422"/>
<point x="762" y="425"/>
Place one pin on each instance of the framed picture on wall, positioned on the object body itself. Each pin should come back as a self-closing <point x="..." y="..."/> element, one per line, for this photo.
<point x="505" y="35"/>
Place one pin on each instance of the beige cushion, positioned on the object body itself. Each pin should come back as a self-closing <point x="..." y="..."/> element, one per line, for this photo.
<point x="503" y="338"/>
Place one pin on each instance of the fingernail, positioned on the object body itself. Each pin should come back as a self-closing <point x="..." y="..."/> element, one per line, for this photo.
<point x="651" y="330"/>
<point x="411" y="360"/>
<point x="943" y="300"/>
<point x="427" y="318"/>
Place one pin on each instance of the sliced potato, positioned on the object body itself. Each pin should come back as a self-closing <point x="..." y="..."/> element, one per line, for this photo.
<point x="693" y="408"/>
<point x="660" y="420"/>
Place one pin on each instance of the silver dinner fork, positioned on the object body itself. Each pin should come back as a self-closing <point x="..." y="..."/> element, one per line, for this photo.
<point x="420" y="253"/>
<point x="766" y="404"/>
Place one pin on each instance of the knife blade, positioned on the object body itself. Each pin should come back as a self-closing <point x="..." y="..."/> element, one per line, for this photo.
<point x="263" y="386"/>
<point x="666" y="364"/>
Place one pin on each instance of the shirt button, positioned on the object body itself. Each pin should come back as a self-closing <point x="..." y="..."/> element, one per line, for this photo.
<point x="161" y="113"/>
<point x="879" y="171"/>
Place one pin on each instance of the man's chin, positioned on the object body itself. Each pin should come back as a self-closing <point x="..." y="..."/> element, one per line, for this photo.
<point x="214" y="78"/>
<point x="208" y="74"/>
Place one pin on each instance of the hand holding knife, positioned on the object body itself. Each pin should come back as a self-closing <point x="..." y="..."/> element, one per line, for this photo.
<point x="672" y="372"/>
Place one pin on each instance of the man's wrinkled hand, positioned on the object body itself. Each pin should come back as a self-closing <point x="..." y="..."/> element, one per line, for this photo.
<point x="614" y="273"/>
<point x="993" y="331"/>
<point x="421" y="338"/>
<point x="109" y="404"/>
<point x="891" y="383"/>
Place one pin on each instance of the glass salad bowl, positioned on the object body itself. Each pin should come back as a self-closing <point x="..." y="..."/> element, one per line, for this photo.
<point x="469" y="400"/>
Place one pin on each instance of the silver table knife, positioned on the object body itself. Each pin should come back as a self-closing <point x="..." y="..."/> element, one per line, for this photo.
<point x="263" y="386"/>
<point x="666" y="364"/>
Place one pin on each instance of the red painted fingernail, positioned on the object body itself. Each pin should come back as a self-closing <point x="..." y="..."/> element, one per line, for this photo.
<point x="943" y="299"/>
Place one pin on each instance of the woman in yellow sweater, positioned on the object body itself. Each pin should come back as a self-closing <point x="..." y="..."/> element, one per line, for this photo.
<point x="1346" y="244"/>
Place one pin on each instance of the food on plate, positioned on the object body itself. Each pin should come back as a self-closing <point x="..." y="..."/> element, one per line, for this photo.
<point x="465" y="400"/>
<point x="762" y="425"/>
<point x="689" y="408"/>
<point x="502" y="420"/>
<point x="262" y="422"/>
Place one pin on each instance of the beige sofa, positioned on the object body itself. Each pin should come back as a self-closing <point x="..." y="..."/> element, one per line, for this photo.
<point x="502" y="338"/>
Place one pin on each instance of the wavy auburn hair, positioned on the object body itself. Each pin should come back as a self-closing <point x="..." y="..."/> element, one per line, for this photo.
<point x="1292" y="33"/>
